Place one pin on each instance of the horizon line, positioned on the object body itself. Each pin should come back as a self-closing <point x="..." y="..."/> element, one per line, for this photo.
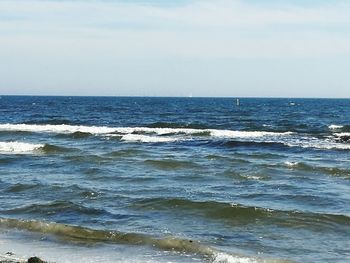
<point x="160" y="96"/>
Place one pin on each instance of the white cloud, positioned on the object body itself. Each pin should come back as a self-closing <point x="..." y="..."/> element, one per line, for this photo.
<point x="211" y="46"/>
<point x="219" y="28"/>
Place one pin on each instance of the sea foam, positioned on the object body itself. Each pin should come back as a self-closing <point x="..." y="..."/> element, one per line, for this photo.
<point x="48" y="128"/>
<point x="145" y="138"/>
<point x="132" y="130"/>
<point x="221" y="257"/>
<point x="245" y="134"/>
<point x="19" y="147"/>
<point x="321" y="144"/>
<point x="291" y="164"/>
<point x="335" y="127"/>
<point x="154" y="135"/>
<point x="166" y="243"/>
<point x="226" y="258"/>
<point x="342" y="134"/>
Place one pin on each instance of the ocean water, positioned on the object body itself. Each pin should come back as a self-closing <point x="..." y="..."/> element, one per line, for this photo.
<point x="128" y="179"/>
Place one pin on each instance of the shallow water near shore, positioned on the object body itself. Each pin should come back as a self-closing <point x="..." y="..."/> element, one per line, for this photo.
<point x="175" y="179"/>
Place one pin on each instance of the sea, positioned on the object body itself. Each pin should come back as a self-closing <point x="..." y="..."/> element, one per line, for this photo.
<point x="155" y="179"/>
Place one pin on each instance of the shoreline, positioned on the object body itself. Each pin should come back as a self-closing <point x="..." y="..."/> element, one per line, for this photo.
<point x="10" y="257"/>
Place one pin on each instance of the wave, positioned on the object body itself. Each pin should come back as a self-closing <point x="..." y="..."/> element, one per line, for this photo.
<point x="50" y="120"/>
<point x="291" y="164"/>
<point x="168" y="135"/>
<point x="27" y="148"/>
<point x="19" y="147"/>
<point x="139" y="134"/>
<point x="169" y="164"/>
<point x="343" y="137"/>
<point x="76" y="135"/>
<point x="333" y="171"/>
<point x="50" y="128"/>
<point x="322" y="145"/>
<point x="49" y="148"/>
<point x="124" y="153"/>
<point x="335" y="127"/>
<point x="339" y="128"/>
<point x="98" y="130"/>
<point x="89" y="235"/>
<point x="19" y="187"/>
<point x="241" y="214"/>
<point x="257" y="143"/>
<point x="86" y="158"/>
<point x="145" y="138"/>
<point x="177" y="125"/>
<point x="52" y="208"/>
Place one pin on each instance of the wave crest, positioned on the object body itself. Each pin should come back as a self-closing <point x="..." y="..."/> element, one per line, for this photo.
<point x="71" y="232"/>
<point x="19" y="147"/>
<point x="166" y="134"/>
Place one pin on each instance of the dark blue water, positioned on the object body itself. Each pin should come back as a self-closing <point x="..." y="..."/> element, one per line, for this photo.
<point x="179" y="179"/>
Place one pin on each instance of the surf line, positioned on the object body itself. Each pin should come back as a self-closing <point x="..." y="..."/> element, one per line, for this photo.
<point x="71" y="232"/>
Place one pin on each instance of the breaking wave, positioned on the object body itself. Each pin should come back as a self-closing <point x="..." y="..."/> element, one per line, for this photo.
<point x="342" y="137"/>
<point x="167" y="135"/>
<point x="335" y="127"/>
<point x="104" y="130"/>
<point x="19" y="147"/>
<point x="89" y="235"/>
<point x="339" y="128"/>
<point x="141" y="134"/>
<point x="29" y="148"/>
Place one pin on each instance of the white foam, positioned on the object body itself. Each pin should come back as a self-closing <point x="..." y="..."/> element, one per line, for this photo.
<point x="221" y="257"/>
<point x="342" y="134"/>
<point x="19" y="147"/>
<point x="152" y="135"/>
<point x="63" y="128"/>
<point x="318" y="144"/>
<point x="56" y="128"/>
<point x="291" y="164"/>
<point x="335" y="127"/>
<point x="146" y="138"/>
<point x="25" y="245"/>
<point x="246" y="134"/>
<point x="97" y="130"/>
<point x="226" y="258"/>
<point x="253" y="177"/>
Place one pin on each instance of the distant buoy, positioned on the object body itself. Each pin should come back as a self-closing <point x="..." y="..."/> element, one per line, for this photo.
<point x="237" y="102"/>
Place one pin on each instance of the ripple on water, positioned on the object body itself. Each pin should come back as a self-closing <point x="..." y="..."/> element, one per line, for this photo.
<point x="171" y="164"/>
<point x="238" y="214"/>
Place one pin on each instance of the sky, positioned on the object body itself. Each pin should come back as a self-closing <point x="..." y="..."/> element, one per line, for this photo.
<point x="224" y="48"/>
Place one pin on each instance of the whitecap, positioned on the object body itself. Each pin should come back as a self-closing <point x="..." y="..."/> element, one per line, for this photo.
<point x="226" y="258"/>
<point x="19" y="147"/>
<point x="335" y="127"/>
<point x="98" y="130"/>
<point x="146" y="138"/>
<point x="291" y="164"/>
<point x="49" y="128"/>
<point x="246" y="134"/>
<point x="342" y="134"/>
<point x="221" y="257"/>
<point x="319" y="144"/>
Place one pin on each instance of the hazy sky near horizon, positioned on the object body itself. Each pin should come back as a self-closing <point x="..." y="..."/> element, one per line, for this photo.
<point x="259" y="48"/>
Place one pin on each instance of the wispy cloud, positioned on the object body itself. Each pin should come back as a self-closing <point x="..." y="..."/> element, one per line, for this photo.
<point x="256" y="47"/>
<point x="219" y="28"/>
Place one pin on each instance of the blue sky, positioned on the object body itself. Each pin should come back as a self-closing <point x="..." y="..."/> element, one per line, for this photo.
<point x="233" y="48"/>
